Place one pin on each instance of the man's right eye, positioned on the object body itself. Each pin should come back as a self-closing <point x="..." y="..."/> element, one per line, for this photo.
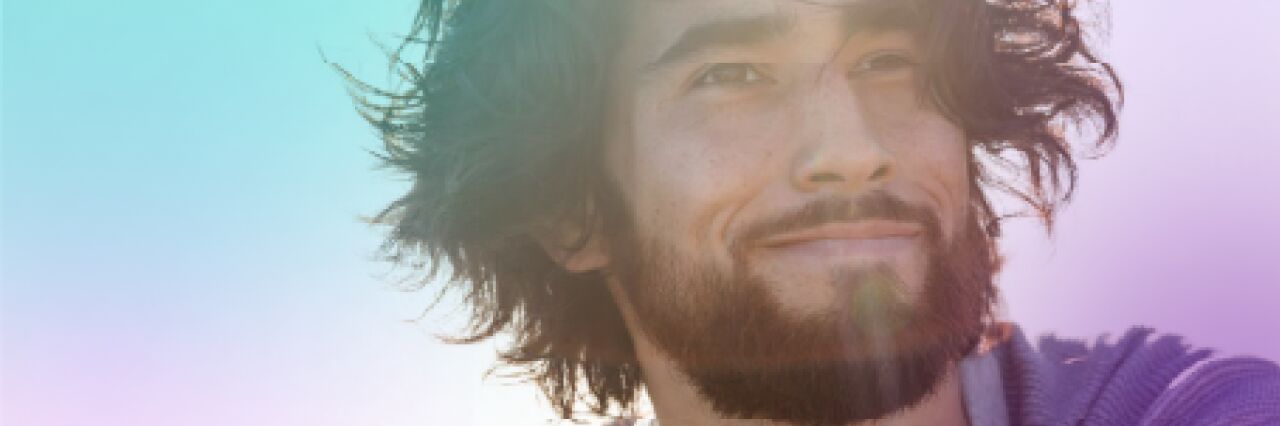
<point x="730" y="74"/>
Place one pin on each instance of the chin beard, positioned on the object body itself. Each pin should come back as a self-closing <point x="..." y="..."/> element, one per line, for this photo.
<point x="870" y="356"/>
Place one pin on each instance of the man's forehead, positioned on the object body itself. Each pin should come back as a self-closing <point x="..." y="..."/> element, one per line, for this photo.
<point x="679" y="14"/>
<point x="687" y="12"/>
<point x="656" y="24"/>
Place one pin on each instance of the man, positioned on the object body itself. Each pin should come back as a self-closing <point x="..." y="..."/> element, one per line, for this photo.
<point x="770" y="211"/>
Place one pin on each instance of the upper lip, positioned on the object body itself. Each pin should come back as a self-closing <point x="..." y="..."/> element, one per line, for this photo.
<point x="864" y="229"/>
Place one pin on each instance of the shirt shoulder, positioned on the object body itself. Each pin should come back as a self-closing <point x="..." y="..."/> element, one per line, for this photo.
<point x="1228" y="391"/>
<point x="1141" y="378"/>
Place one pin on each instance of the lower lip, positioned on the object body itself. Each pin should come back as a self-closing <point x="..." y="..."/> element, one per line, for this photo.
<point x="847" y="247"/>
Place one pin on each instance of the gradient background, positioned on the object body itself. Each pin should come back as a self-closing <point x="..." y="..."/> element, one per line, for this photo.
<point x="182" y="183"/>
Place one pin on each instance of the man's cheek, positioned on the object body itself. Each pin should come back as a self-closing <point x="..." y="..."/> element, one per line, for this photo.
<point x="934" y="154"/>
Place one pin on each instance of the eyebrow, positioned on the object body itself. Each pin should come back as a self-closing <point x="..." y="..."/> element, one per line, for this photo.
<point x="720" y="33"/>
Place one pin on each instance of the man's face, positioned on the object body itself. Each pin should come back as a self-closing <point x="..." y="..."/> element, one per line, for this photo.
<point x="779" y="107"/>
<point x="788" y="184"/>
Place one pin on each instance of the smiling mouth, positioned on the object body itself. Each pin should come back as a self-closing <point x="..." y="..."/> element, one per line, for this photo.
<point x="867" y="237"/>
<point x="862" y="230"/>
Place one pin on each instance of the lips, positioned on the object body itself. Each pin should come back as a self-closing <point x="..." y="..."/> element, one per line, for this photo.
<point x="861" y="233"/>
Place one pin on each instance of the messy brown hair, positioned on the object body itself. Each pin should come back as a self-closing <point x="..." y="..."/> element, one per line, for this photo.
<point x="498" y="122"/>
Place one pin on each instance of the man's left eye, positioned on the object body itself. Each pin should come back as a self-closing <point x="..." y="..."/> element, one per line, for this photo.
<point x="882" y="62"/>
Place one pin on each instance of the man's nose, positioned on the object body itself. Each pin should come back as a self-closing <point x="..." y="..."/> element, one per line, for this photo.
<point x="839" y="150"/>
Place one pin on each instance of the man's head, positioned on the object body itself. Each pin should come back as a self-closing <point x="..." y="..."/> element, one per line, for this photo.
<point x="786" y="197"/>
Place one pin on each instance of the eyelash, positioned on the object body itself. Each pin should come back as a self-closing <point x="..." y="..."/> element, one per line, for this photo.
<point x="752" y="75"/>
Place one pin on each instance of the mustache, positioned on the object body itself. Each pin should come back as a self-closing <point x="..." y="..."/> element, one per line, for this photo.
<point x="875" y="205"/>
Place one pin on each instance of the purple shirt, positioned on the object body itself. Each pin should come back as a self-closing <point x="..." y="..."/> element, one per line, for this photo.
<point x="1140" y="379"/>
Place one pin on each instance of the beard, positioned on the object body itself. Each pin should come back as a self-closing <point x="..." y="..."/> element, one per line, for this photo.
<point x="868" y="356"/>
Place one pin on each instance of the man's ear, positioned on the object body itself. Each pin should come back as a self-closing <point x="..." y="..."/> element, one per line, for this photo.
<point x="577" y="247"/>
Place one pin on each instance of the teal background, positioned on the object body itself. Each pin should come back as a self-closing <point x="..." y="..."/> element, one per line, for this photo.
<point x="183" y="184"/>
